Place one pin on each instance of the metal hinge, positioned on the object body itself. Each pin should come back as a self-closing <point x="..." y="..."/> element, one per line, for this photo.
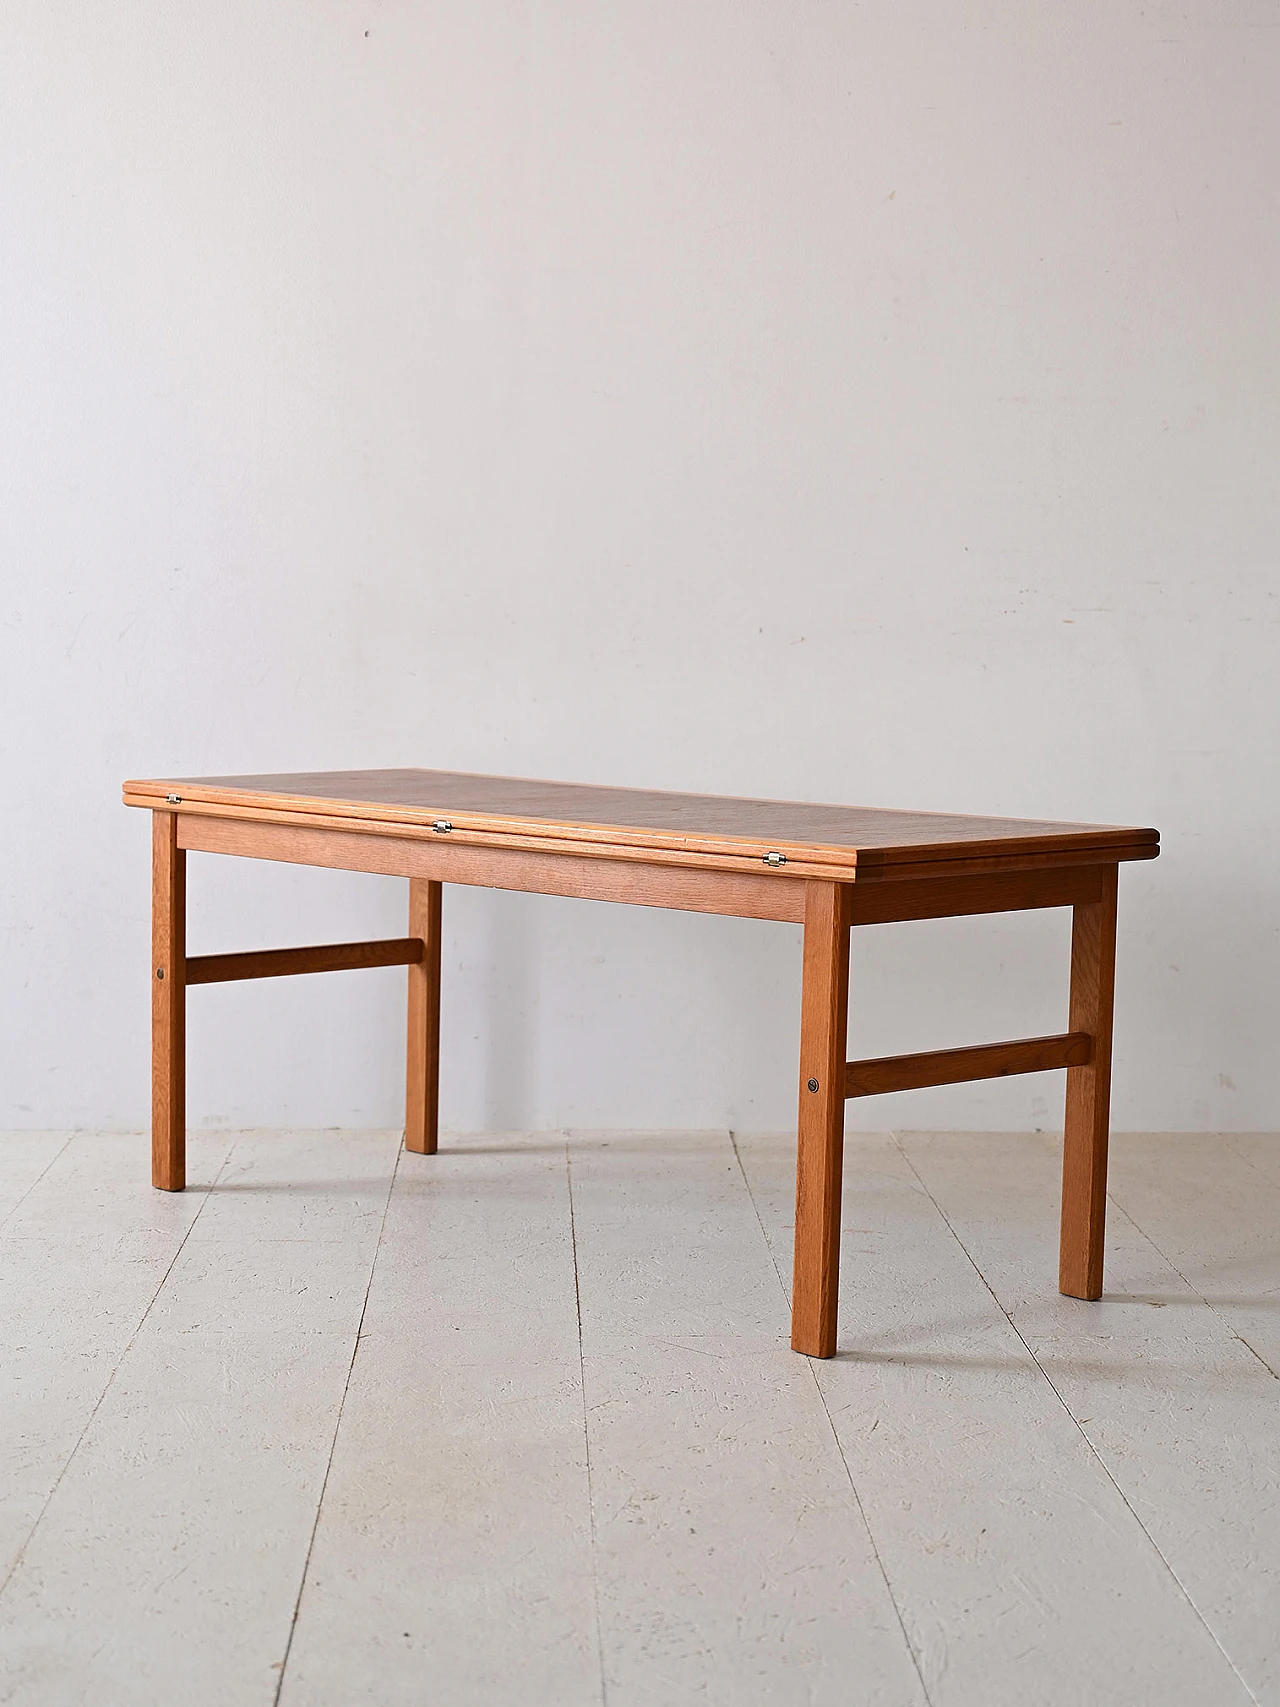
<point x="775" y="858"/>
<point x="442" y="826"/>
<point x="173" y="800"/>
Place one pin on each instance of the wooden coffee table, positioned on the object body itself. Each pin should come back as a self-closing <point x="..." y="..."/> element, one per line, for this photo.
<point x="826" y="867"/>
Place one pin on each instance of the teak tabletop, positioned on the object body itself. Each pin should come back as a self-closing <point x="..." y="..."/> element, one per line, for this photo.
<point x="827" y="867"/>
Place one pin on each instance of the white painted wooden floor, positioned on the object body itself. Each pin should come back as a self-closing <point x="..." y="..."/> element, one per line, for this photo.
<point x="518" y="1424"/>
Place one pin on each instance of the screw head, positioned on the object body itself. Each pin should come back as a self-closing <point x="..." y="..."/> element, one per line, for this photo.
<point x="813" y="1084"/>
<point x="159" y="971"/>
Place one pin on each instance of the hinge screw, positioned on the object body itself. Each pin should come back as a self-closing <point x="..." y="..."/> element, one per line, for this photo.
<point x="813" y="1084"/>
<point x="159" y="971"/>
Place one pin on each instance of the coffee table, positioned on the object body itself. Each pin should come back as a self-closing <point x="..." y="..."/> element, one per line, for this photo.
<point x="827" y="868"/>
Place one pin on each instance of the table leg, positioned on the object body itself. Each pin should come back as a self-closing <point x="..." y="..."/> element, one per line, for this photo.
<point x="824" y="1020"/>
<point x="1084" y="1153"/>
<point x="422" y="1089"/>
<point x="168" y="1004"/>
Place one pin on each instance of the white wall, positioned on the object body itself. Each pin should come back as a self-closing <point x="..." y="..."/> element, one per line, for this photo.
<point x="865" y="403"/>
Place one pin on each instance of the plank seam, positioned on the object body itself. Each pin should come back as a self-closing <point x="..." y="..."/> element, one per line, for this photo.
<point x="586" y="1429"/>
<point x="1194" y="1290"/>
<point x="1097" y="1456"/>
<point x="36" y="1181"/>
<point x="337" y="1426"/>
<point x="853" y="1486"/>
<point x="115" y="1370"/>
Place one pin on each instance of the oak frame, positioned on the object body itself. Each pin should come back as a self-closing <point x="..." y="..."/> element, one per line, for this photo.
<point x="828" y="910"/>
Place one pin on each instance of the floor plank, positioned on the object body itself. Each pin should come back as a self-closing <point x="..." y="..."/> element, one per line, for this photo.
<point x="1260" y="1149"/>
<point x="1184" y="1417"/>
<point x="82" y="1256"/>
<point x="1072" y="1504"/>
<point x="1212" y="1207"/>
<point x="24" y="1157"/>
<point x="452" y="1560"/>
<point x="734" y="1562"/>
<point x="1023" y="1576"/>
<point x="167" y="1563"/>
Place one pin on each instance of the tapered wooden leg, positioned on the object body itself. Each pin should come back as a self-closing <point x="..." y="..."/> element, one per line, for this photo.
<point x="1084" y="1154"/>
<point x="824" y="1021"/>
<point x="422" y="1088"/>
<point x="168" y="1004"/>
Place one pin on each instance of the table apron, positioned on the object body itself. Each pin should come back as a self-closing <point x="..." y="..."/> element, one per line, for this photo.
<point x="582" y="877"/>
<point x="775" y="896"/>
<point x="894" y="900"/>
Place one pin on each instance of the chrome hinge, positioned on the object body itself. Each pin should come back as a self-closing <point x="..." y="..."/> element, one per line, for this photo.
<point x="442" y="826"/>
<point x="775" y="858"/>
<point x="173" y="800"/>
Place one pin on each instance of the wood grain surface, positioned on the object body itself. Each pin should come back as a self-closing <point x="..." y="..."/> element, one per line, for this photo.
<point x="684" y="886"/>
<point x="824" y="1026"/>
<point x="287" y="962"/>
<point x="422" y="1052"/>
<point x="1088" y="1107"/>
<point x="168" y="1005"/>
<point x="838" y="836"/>
<point x="961" y="1066"/>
